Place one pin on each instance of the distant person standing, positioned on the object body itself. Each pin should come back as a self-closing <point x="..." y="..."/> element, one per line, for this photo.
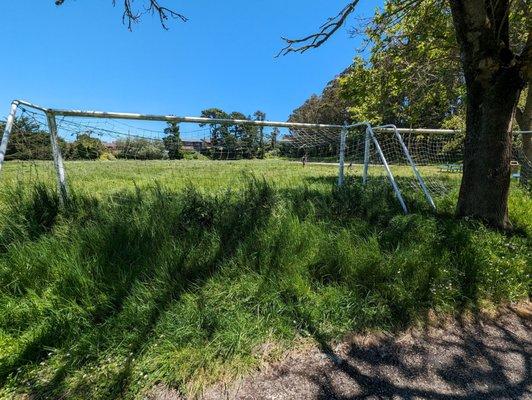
<point x="304" y="159"/>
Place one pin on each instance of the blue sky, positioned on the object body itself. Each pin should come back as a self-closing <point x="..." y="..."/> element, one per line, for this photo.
<point x="81" y="56"/>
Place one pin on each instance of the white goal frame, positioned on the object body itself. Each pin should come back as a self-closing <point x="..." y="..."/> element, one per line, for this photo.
<point x="370" y="138"/>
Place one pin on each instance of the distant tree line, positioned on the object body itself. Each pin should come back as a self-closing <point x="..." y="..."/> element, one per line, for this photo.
<point x="229" y="140"/>
<point x="29" y="141"/>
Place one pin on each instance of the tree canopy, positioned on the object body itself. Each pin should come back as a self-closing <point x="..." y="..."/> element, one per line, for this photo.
<point x="327" y="108"/>
<point x="413" y="75"/>
<point x="237" y="141"/>
<point x="172" y="141"/>
<point x="415" y="45"/>
<point x="28" y="141"/>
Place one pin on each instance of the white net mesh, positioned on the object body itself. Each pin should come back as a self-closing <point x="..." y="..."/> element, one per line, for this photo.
<point x="436" y="156"/>
<point x="219" y="155"/>
<point x="134" y="153"/>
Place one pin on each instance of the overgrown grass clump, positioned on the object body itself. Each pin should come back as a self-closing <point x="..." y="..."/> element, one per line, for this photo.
<point x="111" y="295"/>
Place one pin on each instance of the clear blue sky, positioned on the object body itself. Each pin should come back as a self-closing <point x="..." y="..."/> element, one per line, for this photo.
<point x="81" y="56"/>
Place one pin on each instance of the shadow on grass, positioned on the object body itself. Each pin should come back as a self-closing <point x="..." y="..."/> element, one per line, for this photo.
<point x="143" y="241"/>
<point x="107" y="272"/>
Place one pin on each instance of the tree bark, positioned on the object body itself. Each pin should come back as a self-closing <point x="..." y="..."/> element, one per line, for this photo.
<point x="494" y="81"/>
<point x="524" y="120"/>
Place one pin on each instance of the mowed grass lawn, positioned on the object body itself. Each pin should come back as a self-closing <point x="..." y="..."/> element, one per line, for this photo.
<point x="192" y="272"/>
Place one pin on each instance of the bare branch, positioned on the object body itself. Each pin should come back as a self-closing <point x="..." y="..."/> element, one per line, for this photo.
<point x="315" y="40"/>
<point x="329" y="28"/>
<point x="132" y="16"/>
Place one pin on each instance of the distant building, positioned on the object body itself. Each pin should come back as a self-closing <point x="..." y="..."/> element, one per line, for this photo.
<point x="111" y="146"/>
<point x="196" y="145"/>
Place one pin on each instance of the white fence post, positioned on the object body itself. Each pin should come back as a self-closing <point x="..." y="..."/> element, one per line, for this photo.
<point x="7" y="132"/>
<point x="58" y="159"/>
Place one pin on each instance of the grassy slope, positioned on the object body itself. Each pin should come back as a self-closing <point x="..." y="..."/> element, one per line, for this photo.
<point x="126" y="288"/>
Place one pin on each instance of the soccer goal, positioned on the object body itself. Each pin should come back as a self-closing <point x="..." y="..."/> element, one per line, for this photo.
<point x="49" y="144"/>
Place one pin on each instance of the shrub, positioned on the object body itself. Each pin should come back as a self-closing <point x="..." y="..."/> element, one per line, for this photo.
<point x="85" y="147"/>
<point x="194" y="155"/>
<point x="140" y="149"/>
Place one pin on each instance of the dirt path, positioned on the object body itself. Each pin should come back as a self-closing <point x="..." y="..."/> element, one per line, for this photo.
<point x="478" y="359"/>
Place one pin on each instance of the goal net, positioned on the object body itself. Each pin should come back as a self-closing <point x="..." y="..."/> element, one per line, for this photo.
<point x="133" y="150"/>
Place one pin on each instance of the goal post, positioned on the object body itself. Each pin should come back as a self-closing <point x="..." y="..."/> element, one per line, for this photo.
<point x="58" y="158"/>
<point x="410" y="161"/>
<point x="7" y="132"/>
<point x="427" y="160"/>
<point x="389" y="173"/>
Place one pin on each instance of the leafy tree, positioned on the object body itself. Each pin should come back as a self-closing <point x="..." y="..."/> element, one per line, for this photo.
<point x="219" y="132"/>
<point x="328" y="108"/>
<point x="260" y="116"/>
<point x="496" y="65"/>
<point x="85" y="147"/>
<point x="172" y="141"/>
<point x="495" y="75"/>
<point x="28" y="141"/>
<point x="413" y="75"/>
<point x="274" y="136"/>
<point x="140" y="149"/>
<point x="251" y="138"/>
<point x="236" y="140"/>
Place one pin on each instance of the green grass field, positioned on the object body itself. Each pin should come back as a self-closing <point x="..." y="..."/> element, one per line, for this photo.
<point x="188" y="273"/>
<point x="103" y="178"/>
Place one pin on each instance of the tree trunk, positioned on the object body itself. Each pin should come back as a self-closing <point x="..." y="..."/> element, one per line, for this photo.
<point x="494" y="81"/>
<point x="524" y="120"/>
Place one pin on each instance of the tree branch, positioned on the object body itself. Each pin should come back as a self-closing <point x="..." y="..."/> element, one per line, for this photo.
<point x="315" y="40"/>
<point x="131" y="16"/>
<point x="525" y="58"/>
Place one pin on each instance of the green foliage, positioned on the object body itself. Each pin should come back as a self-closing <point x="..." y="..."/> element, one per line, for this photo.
<point x="235" y="141"/>
<point x="28" y="141"/>
<point x="85" y="147"/>
<point x="110" y="296"/>
<point x="261" y="147"/>
<point x="194" y="155"/>
<point x="328" y="108"/>
<point x="219" y="132"/>
<point x="140" y="149"/>
<point x="172" y="141"/>
<point x="274" y="137"/>
<point x="413" y="76"/>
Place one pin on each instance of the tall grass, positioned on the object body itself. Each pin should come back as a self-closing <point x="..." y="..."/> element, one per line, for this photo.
<point x="114" y="294"/>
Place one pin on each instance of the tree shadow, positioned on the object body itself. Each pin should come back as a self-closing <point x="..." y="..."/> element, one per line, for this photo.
<point x="147" y="240"/>
<point x="472" y="359"/>
<point x="144" y="241"/>
<point x="375" y="188"/>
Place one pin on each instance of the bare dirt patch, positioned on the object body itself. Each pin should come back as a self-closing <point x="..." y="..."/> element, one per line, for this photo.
<point x="478" y="357"/>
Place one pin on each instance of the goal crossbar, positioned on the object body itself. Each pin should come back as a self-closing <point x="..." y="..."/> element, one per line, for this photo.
<point x="340" y="133"/>
<point x="203" y="120"/>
